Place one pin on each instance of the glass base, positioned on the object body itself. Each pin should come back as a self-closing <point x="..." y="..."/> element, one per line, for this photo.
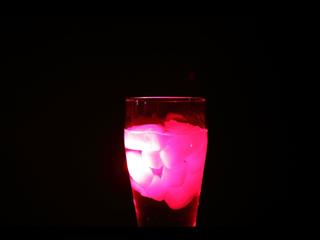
<point x="151" y="213"/>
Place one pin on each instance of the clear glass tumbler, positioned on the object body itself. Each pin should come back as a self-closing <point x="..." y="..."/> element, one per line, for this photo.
<point x="165" y="140"/>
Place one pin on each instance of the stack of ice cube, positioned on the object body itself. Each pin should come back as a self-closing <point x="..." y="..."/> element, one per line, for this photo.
<point x="166" y="162"/>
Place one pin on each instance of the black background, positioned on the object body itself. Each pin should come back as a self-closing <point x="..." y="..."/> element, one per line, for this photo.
<point x="63" y="85"/>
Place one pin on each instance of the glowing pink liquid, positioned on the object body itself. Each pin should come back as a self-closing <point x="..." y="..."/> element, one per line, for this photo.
<point x="165" y="164"/>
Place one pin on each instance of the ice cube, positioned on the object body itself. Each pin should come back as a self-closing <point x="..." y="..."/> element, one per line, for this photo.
<point x="156" y="128"/>
<point x="196" y="161"/>
<point x="152" y="159"/>
<point x="200" y="138"/>
<point x="175" y="152"/>
<point x="176" y="127"/>
<point x="196" y="158"/>
<point x="156" y="189"/>
<point x="174" y="176"/>
<point x="179" y="197"/>
<point x="138" y="170"/>
<point x="144" y="137"/>
<point x="184" y="138"/>
<point x="137" y="187"/>
<point x="193" y="182"/>
<point x="175" y="116"/>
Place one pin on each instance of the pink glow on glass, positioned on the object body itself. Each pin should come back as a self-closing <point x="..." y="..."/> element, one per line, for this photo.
<point x="166" y="162"/>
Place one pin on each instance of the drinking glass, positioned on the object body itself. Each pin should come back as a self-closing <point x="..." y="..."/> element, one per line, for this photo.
<point x="165" y="140"/>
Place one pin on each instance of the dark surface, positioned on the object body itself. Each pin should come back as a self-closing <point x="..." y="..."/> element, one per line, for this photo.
<point x="63" y="82"/>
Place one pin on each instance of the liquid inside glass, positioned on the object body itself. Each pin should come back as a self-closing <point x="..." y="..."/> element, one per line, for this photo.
<point x="166" y="163"/>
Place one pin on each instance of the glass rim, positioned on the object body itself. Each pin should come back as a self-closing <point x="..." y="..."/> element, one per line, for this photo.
<point x="166" y="99"/>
